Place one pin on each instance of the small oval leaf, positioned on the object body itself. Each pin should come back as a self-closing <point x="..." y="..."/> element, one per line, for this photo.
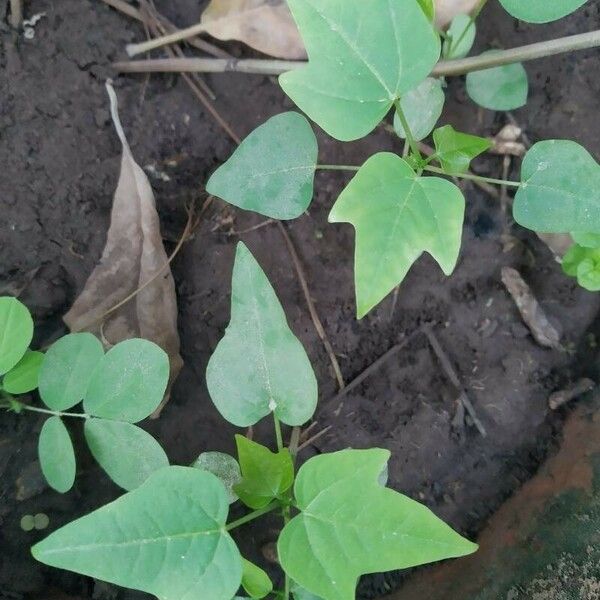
<point x="23" y="377"/>
<point x="455" y="150"/>
<point x="461" y="36"/>
<point x="16" y="332"/>
<point x="255" y="581"/>
<point x="56" y="454"/>
<point x="541" y="11"/>
<point x="224" y="466"/>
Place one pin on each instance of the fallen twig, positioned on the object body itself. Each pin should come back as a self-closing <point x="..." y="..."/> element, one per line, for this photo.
<point x="558" y="399"/>
<point x="314" y="438"/>
<point x="16" y="13"/>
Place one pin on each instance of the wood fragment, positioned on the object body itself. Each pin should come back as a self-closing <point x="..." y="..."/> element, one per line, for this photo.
<point x="314" y="438"/>
<point x="16" y="13"/>
<point x="558" y="399"/>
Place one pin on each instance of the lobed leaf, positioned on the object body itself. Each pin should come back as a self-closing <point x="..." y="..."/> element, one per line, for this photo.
<point x="16" y="332"/>
<point x="350" y="525"/>
<point x="225" y="467"/>
<point x="56" y="455"/>
<point x="541" y="11"/>
<point x="461" y="37"/>
<point x="255" y="581"/>
<point x="23" y="377"/>
<point x="166" y="538"/>
<point x="363" y="56"/>
<point x="259" y="367"/>
<point x="456" y="150"/>
<point x="397" y="216"/>
<point x="272" y="171"/>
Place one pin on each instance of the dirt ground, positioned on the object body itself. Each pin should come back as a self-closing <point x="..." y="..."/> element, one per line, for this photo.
<point x="60" y="160"/>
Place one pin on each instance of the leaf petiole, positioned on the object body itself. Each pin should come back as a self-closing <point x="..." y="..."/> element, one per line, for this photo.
<point x="278" y="434"/>
<point x="336" y="168"/>
<point x="253" y="515"/>
<point x="20" y="406"/>
<point x="471" y="177"/>
<point x="414" y="146"/>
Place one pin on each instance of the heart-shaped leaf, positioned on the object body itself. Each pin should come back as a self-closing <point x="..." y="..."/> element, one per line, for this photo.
<point x="56" y="454"/>
<point x="224" y="466"/>
<point x="456" y="150"/>
<point x="460" y="37"/>
<point x="259" y="367"/>
<point x="350" y="525"/>
<point x="23" y="377"/>
<point x="255" y="581"/>
<point x="560" y="189"/>
<point x="166" y="538"/>
<point x="128" y="454"/>
<point x="16" y="332"/>
<point x="272" y="171"/>
<point x="363" y="56"/>
<point x="541" y="11"/>
<point x="129" y="382"/>
<point x="397" y="216"/>
<point x="67" y="369"/>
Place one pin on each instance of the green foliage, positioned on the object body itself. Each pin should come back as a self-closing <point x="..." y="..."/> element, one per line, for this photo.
<point x="56" y="454"/>
<point x="224" y="466"/>
<point x="255" y="581"/>
<point x="428" y="7"/>
<point x="363" y="56"/>
<point x="350" y="525"/>
<point x="541" y="11"/>
<point x="559" y="193"/>
<point x="422" y="108"/>
<point x="461" y="37"/>
<point x="499" y="88"/>
<point x="413" y="215"/>
<point x="586" y="239"/>
<point x="456" y="150"/>
<point x="23" y="377"/>
<point x="166" y="538"/>
<point x="259" y="367"/>
<point x="583" y="263"/>
<point x="272" y="172"/>
<point x="299" y="593"/>
<point x="266" y="475"/>
<point x="16" y="332"/>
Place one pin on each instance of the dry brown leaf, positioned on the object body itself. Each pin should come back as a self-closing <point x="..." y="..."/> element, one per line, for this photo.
<point x="133" y="255"/>
<point x="265" y="25"/>
<point x="446" y="10"/>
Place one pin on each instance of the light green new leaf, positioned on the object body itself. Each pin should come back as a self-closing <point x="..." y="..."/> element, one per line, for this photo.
<point x="585" y="239"/>
<point x="583" y="263"/>
<point x="397" y="216"/>
<point x="541" y="11"/>
<point x="266" y="475"/>
<point x="560" y="192"/>
<point x="67" y="369"/>
<point x="225" y="467"/>
<point x="461" y="36"/>
<point x="166" y="538"/>
<point x="428" y="7"/>
<point x="422" y="108"/>
<point x="499" y="88"/>
<point x="272" y="172"/>
<point x="363" y="56"/>
<point x="129" y="382"/>
<point x="349" y="525"/>
<point x="23" y="377"/>
<point x="456" y="150"/>
<point x="128" y="454"/>
<point x="255" y="581"/>
<point x="259" y="367"/>
<point x="16" y="332"/>
<point x="56" y="455"/>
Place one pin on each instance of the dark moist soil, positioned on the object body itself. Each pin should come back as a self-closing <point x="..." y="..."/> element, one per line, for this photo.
<point x="60" y="159"/>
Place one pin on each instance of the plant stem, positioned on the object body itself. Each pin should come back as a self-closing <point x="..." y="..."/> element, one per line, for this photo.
<point x="414" y="146"/>
<point x="253" y="515"/>
<point x="54" y="413"/>
<point x="471" y="177"/>
<point x="337" y="168"/>
<point x="171" y="38"/>
<point x="278" y="435"/>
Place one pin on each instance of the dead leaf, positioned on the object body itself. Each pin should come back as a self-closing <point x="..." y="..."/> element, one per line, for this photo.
<point x="446" y="10"/>
<point x="133" y="255"/>
<point x="265" y="25"/>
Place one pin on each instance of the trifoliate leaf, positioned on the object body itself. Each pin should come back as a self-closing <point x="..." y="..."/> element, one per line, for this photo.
<point x="23" y="377"/>
<point x="541" y="11"/>
<point x="499" y="88"/>
<point x="224" y="466"/>
<point x="255" y="581"/>
<point x="166" y="538"/>
<point x="461" y="36"/>
<point x="129" y="382"/>
<point x="259" y="367"/>
<point x="422" y="108"/>
<point x="272" y="171"/>
<point x="583" y="263"/>
<point x="456" y="150"/>
<point x="16" y="332"/>
<point x="363" y="56"/>
<point x="397" y="216"/>
<point x="560" y="189"/>
<point x="266" y="475"/>
<point x="56" y="454"/>
<point x="67" y="369"/>
<point x="128" y="454"/>
<point x="350" y="525"/>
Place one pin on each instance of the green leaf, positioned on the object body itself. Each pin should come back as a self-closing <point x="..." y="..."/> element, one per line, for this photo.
<point x="349" y="525"/>
<point x="299" y="593"/>
<point x="259" y="367"/>
<point x="397" y="216"/>
<point x="363" y="56"/>
<point x="23" y="377"/>
<point x="583" y="263"/>
<point x="16" y="332"/>
<point x="499" y="88"/>
<point x="255" y="581"/>
<point x="541" y="11"/>
<point x="587" y="240"/>
<point x="560" y="192"/>
<point x="428" y="7"/>
<point x="461" y="35"/>
<point x="422" y="108"/>
<point x="129" y="382"/>
<point x="272" y="172"/>
<point x="165" y="538"/>
<point x="265" y="475"/>
<point x="225" y="467"/>
<point x="56" y="454"/>
<point x="67" y="369"/>
<point x="456" y="150"/>
<point x="128" y="454"/>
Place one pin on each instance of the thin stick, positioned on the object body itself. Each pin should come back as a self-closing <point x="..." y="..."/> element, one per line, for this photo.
<point x="314" y="315"/>
<point x="251" y="229"/>
<point x="314" y="438"/>
<point x="172" y="38"/>
<point x="16" y="13"/>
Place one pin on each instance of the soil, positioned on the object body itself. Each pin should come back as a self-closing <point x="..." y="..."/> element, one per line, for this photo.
<point x="60" y="160"/>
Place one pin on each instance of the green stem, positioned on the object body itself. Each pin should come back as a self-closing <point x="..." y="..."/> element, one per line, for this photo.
<point x="55" y="413"/>
<point x="278" y="434"/>
<point x="253" y="515"/>
<point x="414" y="146"/>
<point x="471" y="177"/>
<point x="336" y="168"/>
<point x="286" y="585"/>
